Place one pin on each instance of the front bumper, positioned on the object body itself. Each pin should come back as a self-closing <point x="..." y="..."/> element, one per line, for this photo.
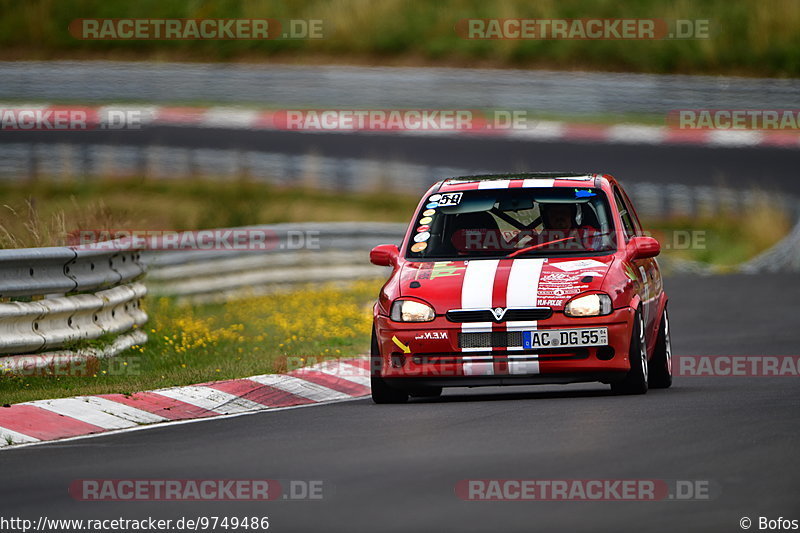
<point x="430" y="353"/>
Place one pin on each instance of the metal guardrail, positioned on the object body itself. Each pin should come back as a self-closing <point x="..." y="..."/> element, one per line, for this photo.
<point x="332" y="252"/>
<point x="783" y="257"/>
<point x="52" y="270"/>
<point x="339" y="174"/>
<point x="50" y="323"/>
<point x="57" y="296"/>
<point x="388" y="87"/>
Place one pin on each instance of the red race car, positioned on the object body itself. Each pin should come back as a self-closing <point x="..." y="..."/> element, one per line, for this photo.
<point x="520" y="279"/>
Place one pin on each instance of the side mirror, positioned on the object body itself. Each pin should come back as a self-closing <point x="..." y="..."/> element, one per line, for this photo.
<point x="643" y="247"/>
<point x="384" y="255"/>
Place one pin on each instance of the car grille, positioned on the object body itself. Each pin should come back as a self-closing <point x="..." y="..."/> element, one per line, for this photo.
<point x="486" y="315"/>
<point x="490" y="339"/>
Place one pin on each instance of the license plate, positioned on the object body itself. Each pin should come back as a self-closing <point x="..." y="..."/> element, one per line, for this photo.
<point x="564" y="338"/>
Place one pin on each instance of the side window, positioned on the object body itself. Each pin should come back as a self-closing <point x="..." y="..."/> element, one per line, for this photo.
<point x="624" y="215"/>
<point x="632" y="212"/>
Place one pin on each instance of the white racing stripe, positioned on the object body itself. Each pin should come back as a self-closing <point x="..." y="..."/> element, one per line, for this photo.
<point x="533" y="182"/>
<point x="80" y="409"/>
<point x="300" y="387"/>
<point x="523" y="291"/>
<point x="476" y="293"/>
<point x="478" y="365"/>
<point x="7" y="435"/>
<point x="523" y="287"/>
<point x="494" y="184"/>
<point x="522" y="364"/>
<point x="210" y="399"/>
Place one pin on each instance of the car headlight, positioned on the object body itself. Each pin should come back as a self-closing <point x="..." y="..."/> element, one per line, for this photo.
<point x="412" y="311"/>
<point x="589" y="305"/>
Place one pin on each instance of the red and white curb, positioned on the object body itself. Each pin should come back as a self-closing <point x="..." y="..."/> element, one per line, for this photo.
<point x="47" y="420"/>
<point x="268" y="120"/>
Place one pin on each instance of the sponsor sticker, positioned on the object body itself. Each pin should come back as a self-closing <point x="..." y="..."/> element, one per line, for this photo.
<point x="431" y="335"/>
<point x="425" y="220"/>
<point x="450" y="199"/>
<point x="418" y="247"/>
<point x="429" y="212"/>
<point x="421" y="237"/>
<point x="446" y="268"/>
<point x="569" y="266"/>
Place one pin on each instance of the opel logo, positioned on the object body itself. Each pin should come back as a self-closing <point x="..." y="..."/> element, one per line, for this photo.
<point x="498" y="313"/>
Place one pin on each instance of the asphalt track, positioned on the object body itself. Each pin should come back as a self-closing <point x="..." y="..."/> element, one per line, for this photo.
<point x="766" y="167"/>
<point x="394" y="468"/>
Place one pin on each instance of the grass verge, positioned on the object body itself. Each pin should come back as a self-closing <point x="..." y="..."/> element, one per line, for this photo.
<point x="750" y="38"/>
<point x="196" y="344"/>
<point x="41" y="213"/>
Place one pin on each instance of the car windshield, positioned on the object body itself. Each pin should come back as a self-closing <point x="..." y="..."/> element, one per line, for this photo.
<point x="529" y="222"/>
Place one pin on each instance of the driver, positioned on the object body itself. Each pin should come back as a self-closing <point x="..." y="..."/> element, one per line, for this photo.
<point x="558" y="221"/>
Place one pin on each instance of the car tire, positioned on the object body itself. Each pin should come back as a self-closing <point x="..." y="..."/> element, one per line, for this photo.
<point x="661" y="363"/>
<point x="635" y="381"/>
<point x="427" y="392"/>
<point x="382" y="392"/>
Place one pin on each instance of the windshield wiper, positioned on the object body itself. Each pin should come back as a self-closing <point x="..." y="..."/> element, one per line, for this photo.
<point x="535" y="246"/>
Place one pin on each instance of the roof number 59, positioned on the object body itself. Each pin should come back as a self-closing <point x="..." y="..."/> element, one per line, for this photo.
<point x="450" y="199"/>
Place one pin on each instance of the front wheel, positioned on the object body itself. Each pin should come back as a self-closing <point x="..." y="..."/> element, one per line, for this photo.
<point x="661" y="374"/>
<point x="635" y="381"/>
<point x="381" y="391"/>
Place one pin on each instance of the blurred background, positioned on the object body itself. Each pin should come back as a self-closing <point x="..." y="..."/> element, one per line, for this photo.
<point x="204" y="144"/>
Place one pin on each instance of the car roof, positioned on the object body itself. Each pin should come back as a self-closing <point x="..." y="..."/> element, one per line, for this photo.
<point x="522" y="180"/>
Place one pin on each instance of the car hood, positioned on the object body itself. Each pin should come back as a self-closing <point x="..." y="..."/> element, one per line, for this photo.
<point x="485" y="283"/>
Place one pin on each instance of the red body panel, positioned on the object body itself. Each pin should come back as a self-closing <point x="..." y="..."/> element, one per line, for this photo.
<point x="430" y="352"/>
